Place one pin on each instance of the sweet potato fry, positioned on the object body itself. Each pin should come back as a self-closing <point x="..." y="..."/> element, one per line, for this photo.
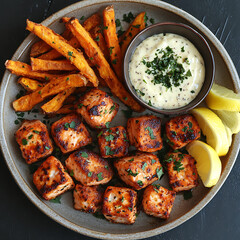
<point x="92" y="22"/>
<point x="66" y="109"/>
<point x="57" y="102"/>
<point x="135" y="27"/>
<point x="25" y="70"/>
<point x="27" y="102"/>
<point x="41" y="47"/>
<point x="60" y="44"/>
<point x="89" y="24"/>
<point x="54" y="54"/>
<point x="50" y="65"/>
<point x="70" y="99"/>
<point x="29" y="84"/>
<point x="95" y="54"/>
<point x="112" y="40"/>
<point x="99" y="39"/>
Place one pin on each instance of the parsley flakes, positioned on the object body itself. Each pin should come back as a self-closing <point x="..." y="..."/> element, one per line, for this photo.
<point x="150" y="132"/>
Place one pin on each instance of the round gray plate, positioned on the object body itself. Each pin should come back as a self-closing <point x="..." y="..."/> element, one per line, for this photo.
<point x="64" y="213"/>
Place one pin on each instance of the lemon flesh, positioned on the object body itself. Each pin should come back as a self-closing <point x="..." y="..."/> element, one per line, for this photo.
<point x="221" y="98"/>
<point x="230" y="119"/>
<point x="213" y="128"/>
<point x="208" y="165"/>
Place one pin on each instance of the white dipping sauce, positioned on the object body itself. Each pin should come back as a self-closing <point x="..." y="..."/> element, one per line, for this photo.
<point x="156" y="94"/>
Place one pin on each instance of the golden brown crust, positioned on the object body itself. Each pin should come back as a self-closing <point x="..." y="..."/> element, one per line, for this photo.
<point x="97" y="108"/>
<point x="69" y="133"/>
<point x="88" y="198"/>
<point x="182" y="130"/>
<point x="182" y="171"/>
<point x="140" y="170"/>
<point x="51" y="179"/>
<point x="89" y="168"/>
<point x="145" y="133"/>
<point x="113" y="142"/>
<point x="119" y="205"/>
<point x="34" y="140"/>
<point x="158" y="201"/>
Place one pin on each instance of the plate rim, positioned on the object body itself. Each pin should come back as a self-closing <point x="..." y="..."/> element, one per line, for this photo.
<point x="37" y="201"/>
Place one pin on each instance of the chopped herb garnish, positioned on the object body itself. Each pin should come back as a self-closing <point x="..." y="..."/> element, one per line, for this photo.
<point x="89" y="174"/>
<point x="46" y="78"/>
<point x="118" y="23"/>
<point x="136" y="26"/>
<point x="66" y="126"/>
<point x="96" y="39"/>
<point x="152" y="21"/>
<point x="114" y="61"/>
<point x="122" y="199"/>
<point x="140" y="183"/>
<point x="131" y="160"/>
<point x="187" y="194"/>
<point x="16" y="122"/>
<point x="144" y="81"/>
<point x="80" y="105"/>
<point x="100" y="134"/>
<point x="99" y="175"/>
<point x="140" y="92"/>
<point x="165" y="68"/>
<point x="150" y="132"/>
<point x="192" y="91"/>
<point x="107" y="124"/>
<point x="112" y="108"/>
<point x="130" y="172"/>
<point x="144" y="166"/>
<point x="128" y="17"/>
<point x="178" y="166"/>
<point x="56" y="200"/>
<point x="70" y="53"/>
<point x="109" y="138"/>
<point x="35" y="131"/>
<point x="106" y="166"/>
<point x="110" y="50"/>
<point x="67" y="79"/>
<point x="47" y="148"/>
<point x="130" y="208"/>
<point x="84" y="154"/>
<point x="72" y="173"/>
<point x="159" y="172"/>
<point x="190" y="124"/>
<point x="82" y="17"/>
<point x="91" y="58"/>
<point x="72" y="124"/>
<point x="108" y="150"/>
<point x="182" y="49"/>
<point x="153" y="161"/>
<point x="30" y="137"/>
<point x="105" y="27"/>
<point x="24" y="141"/>
<point x="184" y="129"/>
<point x="150" y="103"/>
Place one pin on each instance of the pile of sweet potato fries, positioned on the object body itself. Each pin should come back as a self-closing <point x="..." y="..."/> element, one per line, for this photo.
<point x="88" y="54"/>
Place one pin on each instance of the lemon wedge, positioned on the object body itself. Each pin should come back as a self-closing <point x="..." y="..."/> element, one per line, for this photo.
<point x="229" y="135"/>
<point x="230" y="119"/>
<point x="222" y="98"/>
<point x="208" y="165"/>
<point x="213" y="128"/>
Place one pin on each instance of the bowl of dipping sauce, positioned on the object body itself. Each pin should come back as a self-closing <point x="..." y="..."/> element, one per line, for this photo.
<point x="169" y="68"/>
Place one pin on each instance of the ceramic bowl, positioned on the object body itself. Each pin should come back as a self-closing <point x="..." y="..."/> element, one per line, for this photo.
<point x="198" y="41"/>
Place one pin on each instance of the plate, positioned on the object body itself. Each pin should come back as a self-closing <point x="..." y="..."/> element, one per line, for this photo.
<point x="64" y="213"/>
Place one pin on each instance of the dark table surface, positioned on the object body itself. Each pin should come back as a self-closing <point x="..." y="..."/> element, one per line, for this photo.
<point x="20" y="219"/>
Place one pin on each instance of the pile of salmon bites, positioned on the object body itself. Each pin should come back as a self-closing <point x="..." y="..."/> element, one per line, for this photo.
<point x="90" y="174"/>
